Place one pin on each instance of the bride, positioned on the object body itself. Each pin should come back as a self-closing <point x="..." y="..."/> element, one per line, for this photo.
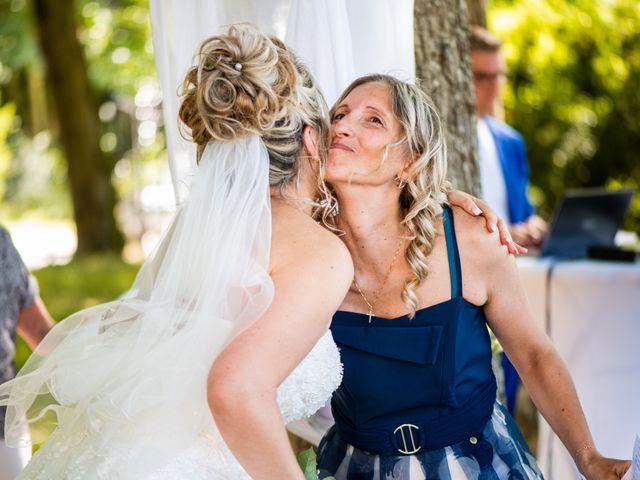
<point x="224" y="334"/>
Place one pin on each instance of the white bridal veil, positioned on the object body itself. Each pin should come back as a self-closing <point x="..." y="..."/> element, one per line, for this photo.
<point x="126" y="381"/>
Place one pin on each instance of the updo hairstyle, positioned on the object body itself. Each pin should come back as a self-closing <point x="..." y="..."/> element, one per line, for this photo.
<point x="245" y="82"/>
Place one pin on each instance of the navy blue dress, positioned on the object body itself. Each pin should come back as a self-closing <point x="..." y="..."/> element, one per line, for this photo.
<point x="418" y="397"/>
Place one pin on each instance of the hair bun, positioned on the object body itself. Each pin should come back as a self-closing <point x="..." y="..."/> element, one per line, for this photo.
<point x="242" y="84"/>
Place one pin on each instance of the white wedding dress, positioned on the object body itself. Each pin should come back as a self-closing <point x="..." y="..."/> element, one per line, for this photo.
<point x="125" y="383"/>
<point x="306" y="389"/>
<point x="302" y="393"/>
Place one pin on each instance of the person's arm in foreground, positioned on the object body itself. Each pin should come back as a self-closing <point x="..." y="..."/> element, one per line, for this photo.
<point x="244" y="379"/>
<point x="538" y="362"/>
<point x="34" y="322"/>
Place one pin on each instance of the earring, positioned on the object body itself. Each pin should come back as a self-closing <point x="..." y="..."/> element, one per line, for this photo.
<point x="400" y="181"/>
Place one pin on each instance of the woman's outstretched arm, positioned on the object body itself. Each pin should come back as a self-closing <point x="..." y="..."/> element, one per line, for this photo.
<point x="531" y="351"/>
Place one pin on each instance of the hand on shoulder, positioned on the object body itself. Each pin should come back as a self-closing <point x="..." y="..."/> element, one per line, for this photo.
<point x="472" y="236"/>
<point x="486" y="264"/>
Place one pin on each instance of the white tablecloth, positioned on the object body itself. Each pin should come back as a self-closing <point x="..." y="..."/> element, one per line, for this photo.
<point x="591" y="311"/>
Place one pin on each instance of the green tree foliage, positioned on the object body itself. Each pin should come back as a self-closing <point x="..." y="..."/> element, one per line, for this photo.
<point x="18" y="47"/>
<point x="116" y="39"/>
<point x="118" y="46"/>
<point x="573" y="92"/>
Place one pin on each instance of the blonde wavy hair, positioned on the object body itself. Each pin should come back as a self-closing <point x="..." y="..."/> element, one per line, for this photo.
<point x="425" y="193"/>
<point x="245" y="82"/>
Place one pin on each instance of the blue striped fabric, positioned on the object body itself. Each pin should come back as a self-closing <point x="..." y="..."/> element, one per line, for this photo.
<point x="498" y="452"/>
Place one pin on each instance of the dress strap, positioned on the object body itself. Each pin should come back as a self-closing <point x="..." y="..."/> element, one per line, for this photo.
<point x="455" y="271"/>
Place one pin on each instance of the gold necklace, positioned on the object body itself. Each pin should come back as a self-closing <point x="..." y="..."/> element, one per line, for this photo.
<point x="384" y="282"/>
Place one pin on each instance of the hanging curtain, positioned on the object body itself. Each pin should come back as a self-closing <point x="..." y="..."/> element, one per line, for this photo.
<point x="338" y="40"/>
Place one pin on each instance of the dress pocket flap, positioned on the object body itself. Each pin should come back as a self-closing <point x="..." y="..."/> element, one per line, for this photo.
<point x="418" y="344"/>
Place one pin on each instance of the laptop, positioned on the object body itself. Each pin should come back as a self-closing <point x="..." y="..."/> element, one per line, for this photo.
<point x="586" y="218"/>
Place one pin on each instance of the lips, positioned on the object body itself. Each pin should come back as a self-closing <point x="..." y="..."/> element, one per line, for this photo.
<point x="339" y="146"/>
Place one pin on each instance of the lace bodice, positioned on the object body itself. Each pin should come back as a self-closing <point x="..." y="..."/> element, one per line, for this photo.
<point x="313" y="381"/>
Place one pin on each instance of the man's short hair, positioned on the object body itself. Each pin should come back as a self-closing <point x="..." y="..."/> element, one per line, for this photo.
<point x="482" y="40"/>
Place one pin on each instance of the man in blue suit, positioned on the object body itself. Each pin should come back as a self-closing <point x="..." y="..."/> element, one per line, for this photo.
<point x="504" y="172"/>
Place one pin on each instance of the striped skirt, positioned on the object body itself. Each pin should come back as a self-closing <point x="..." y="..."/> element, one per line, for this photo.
<point x="499" y="452"/>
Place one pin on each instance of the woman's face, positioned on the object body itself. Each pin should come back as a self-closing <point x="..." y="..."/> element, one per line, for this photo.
<point x="361" y="127"/>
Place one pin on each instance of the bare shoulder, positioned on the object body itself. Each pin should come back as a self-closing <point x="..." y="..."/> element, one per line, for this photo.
<point x="473" y="237"/>
<point x="319" y="245"/>
<point x="300" y="243"/>
<point x="484" y="260"/>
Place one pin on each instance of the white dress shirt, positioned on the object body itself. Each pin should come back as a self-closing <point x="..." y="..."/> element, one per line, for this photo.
<point x="494" y="189"/>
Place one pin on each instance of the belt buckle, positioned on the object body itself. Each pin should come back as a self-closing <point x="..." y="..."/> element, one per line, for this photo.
<point x="408" y="442"/>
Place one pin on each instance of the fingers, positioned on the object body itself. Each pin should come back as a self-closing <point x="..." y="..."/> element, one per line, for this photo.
<point x="490" y="216"/>
<point x="476" y="207"/>
<point x="471" y="205"/>
<point x="507" y="238"/>
<point x="492" y="221"/>
<point x="465" y="201"/>
<point x="521" y="235"/>
<point x="503" y="230"/>
<point x="517" y="249"/>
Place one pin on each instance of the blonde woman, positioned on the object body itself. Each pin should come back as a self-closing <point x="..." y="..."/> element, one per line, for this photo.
<point x="418" y="397"/>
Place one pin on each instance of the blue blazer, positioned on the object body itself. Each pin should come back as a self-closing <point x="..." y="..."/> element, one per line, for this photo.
<point x="513" y="159"/>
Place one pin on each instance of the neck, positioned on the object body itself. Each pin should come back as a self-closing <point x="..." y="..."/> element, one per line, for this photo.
<point x="371" y="219"/>
<point x="298" y="194"/>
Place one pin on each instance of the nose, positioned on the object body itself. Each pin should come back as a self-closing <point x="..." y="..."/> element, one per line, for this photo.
<point x="341" y="128"/>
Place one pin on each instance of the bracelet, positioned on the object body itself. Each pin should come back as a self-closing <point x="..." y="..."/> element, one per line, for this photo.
<point x="586" y="446"/>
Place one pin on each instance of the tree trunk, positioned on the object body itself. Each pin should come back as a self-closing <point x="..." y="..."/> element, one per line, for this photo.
<point x="443" y="64"/>
<point x="477" y="12"/>
<point x="89" y="170"/>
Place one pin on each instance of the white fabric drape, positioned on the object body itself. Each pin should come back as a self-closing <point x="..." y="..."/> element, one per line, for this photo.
<point x="338" y="40"/>
<point x="320" y="34"/>
<point x="382" y="37"/>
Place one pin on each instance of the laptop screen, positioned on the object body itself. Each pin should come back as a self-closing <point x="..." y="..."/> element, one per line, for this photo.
<point x="586" y="218"/>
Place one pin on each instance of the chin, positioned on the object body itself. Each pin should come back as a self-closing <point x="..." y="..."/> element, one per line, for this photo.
<point x="332" y="169"/>
<point x="337" y="172"/>
<point x="331" y="176"/>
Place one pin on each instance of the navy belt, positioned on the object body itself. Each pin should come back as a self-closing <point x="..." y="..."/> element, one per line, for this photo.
<point x="409" y="434"/>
